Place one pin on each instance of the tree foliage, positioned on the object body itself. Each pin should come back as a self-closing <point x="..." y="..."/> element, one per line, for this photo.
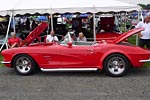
<point x="145" y="6"/>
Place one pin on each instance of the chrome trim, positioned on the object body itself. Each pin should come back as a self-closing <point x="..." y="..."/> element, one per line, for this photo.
<point x="70" y="69"/>
<point x="148" y="60"/>
<point x="5" y="62"/>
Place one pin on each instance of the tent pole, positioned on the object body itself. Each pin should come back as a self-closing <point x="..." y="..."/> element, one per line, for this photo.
<point x="94" y="31"/>
<point x="6" y="37"/>
<point x="137" y="37"/>
<point x="14" y="27"/>
<point x="52" y="28"/>
<point x="48" y="22"/>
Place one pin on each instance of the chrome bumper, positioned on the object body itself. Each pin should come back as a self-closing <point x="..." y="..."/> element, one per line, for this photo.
<point x="5" y="62"/>
<point x="148" y="60"/>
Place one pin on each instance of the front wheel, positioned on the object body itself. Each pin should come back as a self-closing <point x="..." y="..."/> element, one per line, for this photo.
<point x="116" y="65"/>
<point x="24" y="64"/>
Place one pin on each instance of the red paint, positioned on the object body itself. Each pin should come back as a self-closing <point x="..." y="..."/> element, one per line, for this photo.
<point x="127" y="34"/>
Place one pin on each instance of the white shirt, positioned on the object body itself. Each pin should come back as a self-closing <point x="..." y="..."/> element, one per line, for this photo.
<point x="83" y="39"/>
<point x="145" y="33"/>
<point x="51" y="38"/>
<point x="140" y="24"/>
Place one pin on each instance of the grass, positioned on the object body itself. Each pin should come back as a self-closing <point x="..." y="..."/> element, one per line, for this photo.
<point x="146" y="65"/>
<point x="1" y="58"/>
<point x="132" y="40"/>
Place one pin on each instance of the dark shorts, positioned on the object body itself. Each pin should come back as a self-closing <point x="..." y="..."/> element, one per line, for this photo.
<point x="144" y="42"/>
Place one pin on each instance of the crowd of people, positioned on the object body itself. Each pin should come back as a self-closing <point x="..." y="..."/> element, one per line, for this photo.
<point x="26" y="23"/>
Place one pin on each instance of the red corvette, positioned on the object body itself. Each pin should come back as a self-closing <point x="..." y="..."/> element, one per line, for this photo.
<point x="114" y="56"/>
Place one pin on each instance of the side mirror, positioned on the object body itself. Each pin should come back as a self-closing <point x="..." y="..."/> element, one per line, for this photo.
<point x="69" y="44"/>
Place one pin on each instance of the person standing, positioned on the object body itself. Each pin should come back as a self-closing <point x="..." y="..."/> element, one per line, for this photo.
<point x="145" y="34"/>
<point x="33" y="25"/>
<point x="28" y="24"/>
<point x="76" y="25"/>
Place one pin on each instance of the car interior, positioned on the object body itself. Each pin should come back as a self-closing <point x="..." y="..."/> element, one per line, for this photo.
<point x="68" y="38"/>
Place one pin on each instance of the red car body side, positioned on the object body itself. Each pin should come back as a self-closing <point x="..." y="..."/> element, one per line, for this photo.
<point x="60" y="56"/>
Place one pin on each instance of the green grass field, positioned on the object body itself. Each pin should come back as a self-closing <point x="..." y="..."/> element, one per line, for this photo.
<point x="131" y="40"/>
<point x="1" y="58"/>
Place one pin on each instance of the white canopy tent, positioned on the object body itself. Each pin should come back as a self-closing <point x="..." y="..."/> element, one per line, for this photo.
<point x="22" y="7"/>
<point x="62" y="6"/>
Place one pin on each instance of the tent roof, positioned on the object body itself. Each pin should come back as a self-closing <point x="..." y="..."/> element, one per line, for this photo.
<point x="63" y="6"/>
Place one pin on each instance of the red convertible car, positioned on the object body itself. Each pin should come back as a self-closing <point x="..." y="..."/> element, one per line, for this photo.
<point x="115" y="57"/>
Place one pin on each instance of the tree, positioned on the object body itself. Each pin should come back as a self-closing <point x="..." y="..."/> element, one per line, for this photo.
<point x="145" y="6"/>
<point x="148" y="7"/>
<point x="142" y="5"/>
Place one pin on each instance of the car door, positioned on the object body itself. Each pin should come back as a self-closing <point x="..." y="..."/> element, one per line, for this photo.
<point x="50" y="56"/>
<point x="77" y="56"/>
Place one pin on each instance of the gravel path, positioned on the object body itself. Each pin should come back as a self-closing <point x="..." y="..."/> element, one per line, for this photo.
<point x="74" y="86"/>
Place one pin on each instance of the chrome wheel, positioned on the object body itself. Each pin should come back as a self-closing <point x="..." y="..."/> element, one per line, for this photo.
<point x="23" y="64"/>
<point x="116" y="65"/>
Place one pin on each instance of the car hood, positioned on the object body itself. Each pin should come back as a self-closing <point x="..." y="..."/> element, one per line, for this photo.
<point x="127" y="34"/>
<point x="34" y="34"/>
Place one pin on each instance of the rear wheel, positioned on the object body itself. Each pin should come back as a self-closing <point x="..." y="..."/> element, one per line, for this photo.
<point x="24" y="64"/>
<point x="116" y="65"/>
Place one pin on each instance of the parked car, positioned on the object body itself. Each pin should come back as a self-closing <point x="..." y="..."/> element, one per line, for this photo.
<point x="115" y="57"/>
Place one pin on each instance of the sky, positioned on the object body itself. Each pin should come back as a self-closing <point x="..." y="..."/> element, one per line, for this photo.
<point x="137" y="1"/>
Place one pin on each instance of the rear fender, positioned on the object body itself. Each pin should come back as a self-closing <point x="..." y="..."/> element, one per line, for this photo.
<point x="113" y="52"/>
